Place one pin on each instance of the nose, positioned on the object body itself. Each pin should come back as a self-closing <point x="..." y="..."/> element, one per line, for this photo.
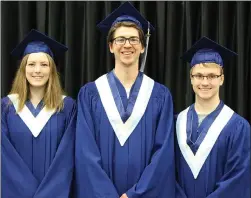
<point x="127" y="43"/>
<point x="37" y="68"/>
<point x="205" y="81"/>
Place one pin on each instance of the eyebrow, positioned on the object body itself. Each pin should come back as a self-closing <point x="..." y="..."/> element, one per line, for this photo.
<point x="36" y="61"/>
<point x="127" y="37"/>
<point x="207" y="74"/>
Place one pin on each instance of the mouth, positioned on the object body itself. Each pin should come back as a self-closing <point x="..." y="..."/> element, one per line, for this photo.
<point x="127" y="53"/>
<point x="205" y="89"/>
<point x="37" y="77"/>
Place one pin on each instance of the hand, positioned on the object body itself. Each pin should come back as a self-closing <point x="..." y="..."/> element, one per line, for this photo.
<point x="124" y="196"/>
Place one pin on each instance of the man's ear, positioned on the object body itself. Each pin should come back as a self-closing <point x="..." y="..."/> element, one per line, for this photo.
<point x="222" y="80"/>
<point x="111" y="47"/>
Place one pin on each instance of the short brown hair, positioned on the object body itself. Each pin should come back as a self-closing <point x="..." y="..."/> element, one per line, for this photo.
<point x="112" y="30"/>
<point x="53" y="91"/>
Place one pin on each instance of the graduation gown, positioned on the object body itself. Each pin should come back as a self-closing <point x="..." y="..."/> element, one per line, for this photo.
<point x="37" y="150"/>
<point x="124" y="145"/>
<point x="212" y="160"/>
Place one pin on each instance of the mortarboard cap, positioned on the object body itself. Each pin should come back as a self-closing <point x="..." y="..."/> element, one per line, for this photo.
<point x="125" y="12"/>
<point x="207" y="51"/>
<point x="35" y="42"/>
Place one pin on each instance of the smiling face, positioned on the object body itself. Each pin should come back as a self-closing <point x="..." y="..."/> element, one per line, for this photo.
<point x="206" y="88"/>
<point x="37" y="70"/>
<point x="126" y="54"/>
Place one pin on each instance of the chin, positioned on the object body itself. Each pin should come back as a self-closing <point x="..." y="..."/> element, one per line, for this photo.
<point x="37" y="85"/>
<point x="205" y="98"/>
<point x="208" y="96"/>
<point x="127" y="63"/>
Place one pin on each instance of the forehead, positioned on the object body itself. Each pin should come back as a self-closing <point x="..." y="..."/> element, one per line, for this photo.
<point x="200" y="68"/>
<point x="126" y="31"/>
<point x="40" y="56"/>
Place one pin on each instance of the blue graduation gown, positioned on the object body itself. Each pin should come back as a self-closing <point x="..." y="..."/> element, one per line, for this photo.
<point x="143" y="166"/>
<point x="226" y="170"/>
<point x="42" y="166"/>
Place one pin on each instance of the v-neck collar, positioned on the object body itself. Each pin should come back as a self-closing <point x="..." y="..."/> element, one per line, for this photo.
<point x="125" y="106"/>
<point x="195" y="133"/>
<point x="196" y="160"/>
<point x="34" y="110"/>
<point x="122" y="129"/>
<point x="35" y="124"/>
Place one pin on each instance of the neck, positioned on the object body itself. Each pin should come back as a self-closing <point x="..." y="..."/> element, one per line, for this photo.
<point x="206" y="106"/>
<point x="126" y="75"/>
<point x="36" y="95"/>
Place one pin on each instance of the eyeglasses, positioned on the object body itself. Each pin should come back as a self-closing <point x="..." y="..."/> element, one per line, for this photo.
<point x="122" y="40"/>
<point x="209" y="77"/>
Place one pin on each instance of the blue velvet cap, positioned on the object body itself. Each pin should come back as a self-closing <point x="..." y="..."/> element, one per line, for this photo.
<point x="206" y="50"/>
<point x="125" y="12"/>
<point x="35" y="42"/>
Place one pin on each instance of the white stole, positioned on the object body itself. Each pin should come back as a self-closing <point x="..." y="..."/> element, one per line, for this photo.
<point x="124" y="130"/>
<point x="195" y="162"/>
<point x="35" y="124"/>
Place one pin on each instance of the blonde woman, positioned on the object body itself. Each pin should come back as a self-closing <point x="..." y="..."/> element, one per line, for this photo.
<point x="38" y="124"/>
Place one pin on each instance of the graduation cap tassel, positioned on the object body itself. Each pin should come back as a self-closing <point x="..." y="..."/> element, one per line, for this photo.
<point x="142" y="68"/>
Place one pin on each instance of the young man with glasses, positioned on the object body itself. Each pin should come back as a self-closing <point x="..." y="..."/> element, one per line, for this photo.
<point x="213" y="149"/>
<point x="124" y="136"/>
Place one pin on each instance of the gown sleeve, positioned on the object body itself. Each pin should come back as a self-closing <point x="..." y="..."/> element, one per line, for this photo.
<point x="179" y="193"/>
<point x="17" y="179"/>
<point x="91" y="181"/>
<point x="236" y="180"/>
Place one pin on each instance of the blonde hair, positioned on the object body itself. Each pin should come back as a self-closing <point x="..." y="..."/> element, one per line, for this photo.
<point x="53" y="90"/>
<point x="210" y="65"/>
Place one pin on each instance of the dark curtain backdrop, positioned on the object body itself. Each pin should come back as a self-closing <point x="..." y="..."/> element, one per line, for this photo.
<point x="178" y="25"/>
